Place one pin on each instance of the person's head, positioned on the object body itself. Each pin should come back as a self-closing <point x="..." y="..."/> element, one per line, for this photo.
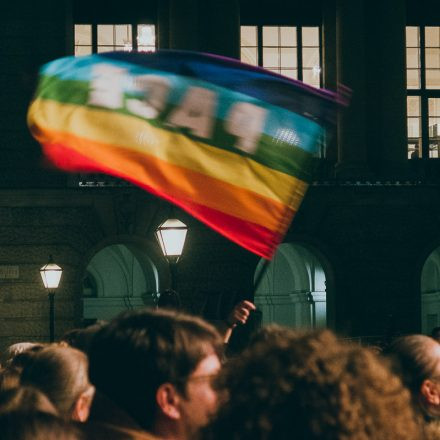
<point x="157" y="365"/>
<point x="169" y="299"/>
<point x="9" y="378"/>
<point x="18" y="349"/>
<point x="24" y="425"/>
<point x="435" y="333"/>
<point x="62" y="374"/>
<point x="25" y="398"/>
<point x="310" y="386"/>
<point x="417" y="358"/>
<point x="81" y="338"/>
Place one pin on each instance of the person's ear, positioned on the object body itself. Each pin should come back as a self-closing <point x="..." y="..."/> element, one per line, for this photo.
<point x="81" y="409"/>
<point x="430" y="390"/>
<point x="167" y="399"/>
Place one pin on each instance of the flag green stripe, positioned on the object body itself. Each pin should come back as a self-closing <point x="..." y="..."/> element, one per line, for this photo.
<point x="283" y="157"/>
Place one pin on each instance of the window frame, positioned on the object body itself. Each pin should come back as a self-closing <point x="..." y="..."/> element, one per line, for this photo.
<point x="423" y="93"/>
<point x="134" y="32"/>
<point x="299" y="46"/>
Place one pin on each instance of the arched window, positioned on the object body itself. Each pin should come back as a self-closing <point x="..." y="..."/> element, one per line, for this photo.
<point x="118" y="277"/>
<point x="293" y="289"/>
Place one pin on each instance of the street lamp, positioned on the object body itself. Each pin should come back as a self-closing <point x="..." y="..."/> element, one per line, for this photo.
<point x="51" y="276"/>
<point x="171" y="236"/>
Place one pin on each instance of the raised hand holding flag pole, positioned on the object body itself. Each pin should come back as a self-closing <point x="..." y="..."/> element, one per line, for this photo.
<point x="229" y="143"/>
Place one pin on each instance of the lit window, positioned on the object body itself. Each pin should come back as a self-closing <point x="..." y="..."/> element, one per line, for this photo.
<point x="111" y="37"/>
<point x="423" y="90"/>
<point x="292" y="51"/>
<point x="83" y="39"/>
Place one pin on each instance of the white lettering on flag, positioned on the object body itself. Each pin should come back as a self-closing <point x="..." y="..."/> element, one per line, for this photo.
<point x="106" y="88"/>
<point x="196" y="112"/>
<point x="156" y="90"/>
<point x="246" y="121"/>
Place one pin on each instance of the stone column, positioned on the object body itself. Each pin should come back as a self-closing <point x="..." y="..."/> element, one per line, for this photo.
<point x="370" y="42"/>
<point x="184" y="24"/>
<point x="387" y="91"/>
<point x="201" y="25"/>
<point x="220" y="27"/>
<point x="351" y="72"/>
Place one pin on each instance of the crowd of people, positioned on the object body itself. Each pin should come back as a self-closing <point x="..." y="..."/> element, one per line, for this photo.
<point x="164" y="374"/>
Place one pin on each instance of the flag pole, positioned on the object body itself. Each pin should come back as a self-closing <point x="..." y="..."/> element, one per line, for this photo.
<point x="260" y="276"/>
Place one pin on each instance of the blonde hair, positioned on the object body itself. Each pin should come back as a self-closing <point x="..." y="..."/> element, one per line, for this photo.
<point x="61" y="373"/>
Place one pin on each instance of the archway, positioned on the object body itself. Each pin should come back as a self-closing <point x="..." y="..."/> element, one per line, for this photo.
<point x="430" y="289"/>
<point x="118" y="277"/>
<point x="292" y="291"/>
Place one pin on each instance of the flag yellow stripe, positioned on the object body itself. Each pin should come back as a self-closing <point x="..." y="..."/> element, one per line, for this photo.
<point x="138" y="136"/>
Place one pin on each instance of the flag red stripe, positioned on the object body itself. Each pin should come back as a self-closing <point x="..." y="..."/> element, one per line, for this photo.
<point x="256" y="238"/>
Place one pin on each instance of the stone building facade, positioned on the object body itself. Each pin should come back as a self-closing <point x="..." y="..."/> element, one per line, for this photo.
<point x="371" y="218"/>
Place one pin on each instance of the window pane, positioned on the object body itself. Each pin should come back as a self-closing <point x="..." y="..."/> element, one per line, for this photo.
<point x="432" y="58"/>
<point x="101" y="49"/>
<point x="288" y="36"/>
<point x="413" y="78"/>
<point x="310" y="36"/>
<point x="105" y="35"/>
<point x="432" y="78"/>
<point x="412" y="58"/>
<point x="311" y="77"/>
<point x="249" y="55"/>
<point x="311" y="57"/>
<point x="288" y="57"/>
<point x="432" y="36"/>
<point x="414" y="128"/>
<point x="434" y="126"/>
<point x="290" y="73"/>
<point x="146" y="36"/>
<point x="270" y="36"/>
<point x="83" y="50"/>
<point x="271" y="57"/>
<point x="83" y="34"/>
<point x="123" y="35"/>
<point x="248" y="35"/>
<point x="413" y="106"/>
<point x="83" y="39"/>
<point x="434" y="107"/>
<point x="412" y="36"/>
<point x="413" y="150"/>
<point x="413" y="123"/>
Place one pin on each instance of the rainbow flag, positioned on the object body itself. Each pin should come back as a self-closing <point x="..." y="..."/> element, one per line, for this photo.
<point x="229" y="143"/>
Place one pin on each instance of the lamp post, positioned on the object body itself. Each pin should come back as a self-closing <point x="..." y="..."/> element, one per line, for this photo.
<point x="171" y="236"/>
<point x="51" y="276"/>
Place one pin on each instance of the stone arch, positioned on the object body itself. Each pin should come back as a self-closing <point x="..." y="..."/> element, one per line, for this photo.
<point x="430" y="292"/>
<point x="292" y="291"/>
<point x="120" y="274"/>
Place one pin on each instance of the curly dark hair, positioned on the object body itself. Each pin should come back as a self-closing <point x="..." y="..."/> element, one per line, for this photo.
<point x="311" y="386"/>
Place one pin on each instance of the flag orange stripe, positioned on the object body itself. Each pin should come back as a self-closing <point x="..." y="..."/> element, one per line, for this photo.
<point x="179" y="182"/>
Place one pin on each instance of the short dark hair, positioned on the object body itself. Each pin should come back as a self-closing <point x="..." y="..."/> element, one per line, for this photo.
<point x="142" y="349"/>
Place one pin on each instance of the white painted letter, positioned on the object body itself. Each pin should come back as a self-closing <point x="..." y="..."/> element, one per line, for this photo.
<point x="246" y="121"/>
<point x="196" y="112"/>
<point x="156" y="90"/>
<point x="106" y="89"/>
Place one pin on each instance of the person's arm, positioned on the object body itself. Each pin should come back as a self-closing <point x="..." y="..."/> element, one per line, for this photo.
<point x="238" y="315"/>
